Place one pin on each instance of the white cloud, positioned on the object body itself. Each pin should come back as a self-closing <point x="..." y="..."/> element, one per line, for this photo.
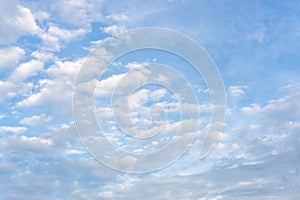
<point x="2" y="116"/>
<point x="50" y="43"/>
<point x="42" y="55"/>
<point x="12" y="129"/>
<point x="277" y="112"/>
<point x="48" y="95"/>
<point x="37" y="144"/>
<point x="86" y="12"/>
<point x="75" y="152"/>
<point x="236" y="91"/>
<point x="65" y="70"/>
<point x="157" y="94"/>
<point x="261" y="168"/>
<point x="10" y="56"/>
<point x="36" y="120"/>
<point x="106" y="86"/>
<point x="25" y="21"/>
<point x="61" y="80"/>
<point x="114" y="29"/>
<point x="26" y="70"/>
<point x="10" y="90"/>
<point x="16" y="20"/>
<point x="138" y="98"/>
<point x="66" y="34"/>
<point x="252" y="109"/>
<point x="41" y="16"/>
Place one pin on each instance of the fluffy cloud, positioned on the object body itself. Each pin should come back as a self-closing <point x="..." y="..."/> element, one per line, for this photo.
<point x="35" y="120"/>
<point x="10" y="56"/>
<point x="114" y="29"/>
<point x="12" y="129"/>
<point x="61" y="79"/>
<point x="26" y="70"/>
<point x="47" y="95"/>
<point x="16" y="20"/>
<point x="14" y="85"/>
<point x="66" y="34"/>
<point x="9" y="89"/>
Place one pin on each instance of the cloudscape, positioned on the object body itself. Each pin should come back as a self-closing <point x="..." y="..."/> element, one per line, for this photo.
<point x="215" y="116"/>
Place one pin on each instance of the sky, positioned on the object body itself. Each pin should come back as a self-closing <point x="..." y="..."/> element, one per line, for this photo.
<point x="51" y="147"/>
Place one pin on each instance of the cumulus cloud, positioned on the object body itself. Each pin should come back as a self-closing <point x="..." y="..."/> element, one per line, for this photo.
<point x="16" y="20"/>
<point x="9" y="90"/>
<point x="26" y="70"/>
<point x="36" y="120"/>
<point x="10" y="56"/>
<point x="66" y="34"/>
<point x="47" y="95"/>
<point x="12" y="129"/>
<point x="61" y="80"/>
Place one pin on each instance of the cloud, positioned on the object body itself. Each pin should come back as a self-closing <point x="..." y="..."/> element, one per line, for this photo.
<point x="157" y="94"/>
<point x="61" y="76"/>
<point x="249" y="173"/>
<point x="277" y="112"/>
<point x="42" y="56"/>
<point x="118" y="17"/>
<point x="10" y="90"/>
<point x="25" y="21"/>
<point x="41" y="16"/>
<point x="16" y="21"/>
<point x="66" y="34"/>
<point x="47" y="95"/>
<point x="73" y="178"/>
<point x="106" y="86"/>
<point x="10" y="56"/>
<point x="259" y="161"/>
<point x="114" y="29"/>
<point x="65" y="69"/>
<point x="2" y="116"/>
<point x="26" y="70"/>
<point x="236" y="91"/>
<point x="75" y="152"/>
<point x="36" y="120"/>
<point x="12" y="129"/>
<point x="15" y="86"/>
<point x="86" y="12"/>
<point x="252" y="109"/>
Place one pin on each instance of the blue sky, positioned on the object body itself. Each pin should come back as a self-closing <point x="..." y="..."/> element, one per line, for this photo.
<point x="254" y="44"/>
